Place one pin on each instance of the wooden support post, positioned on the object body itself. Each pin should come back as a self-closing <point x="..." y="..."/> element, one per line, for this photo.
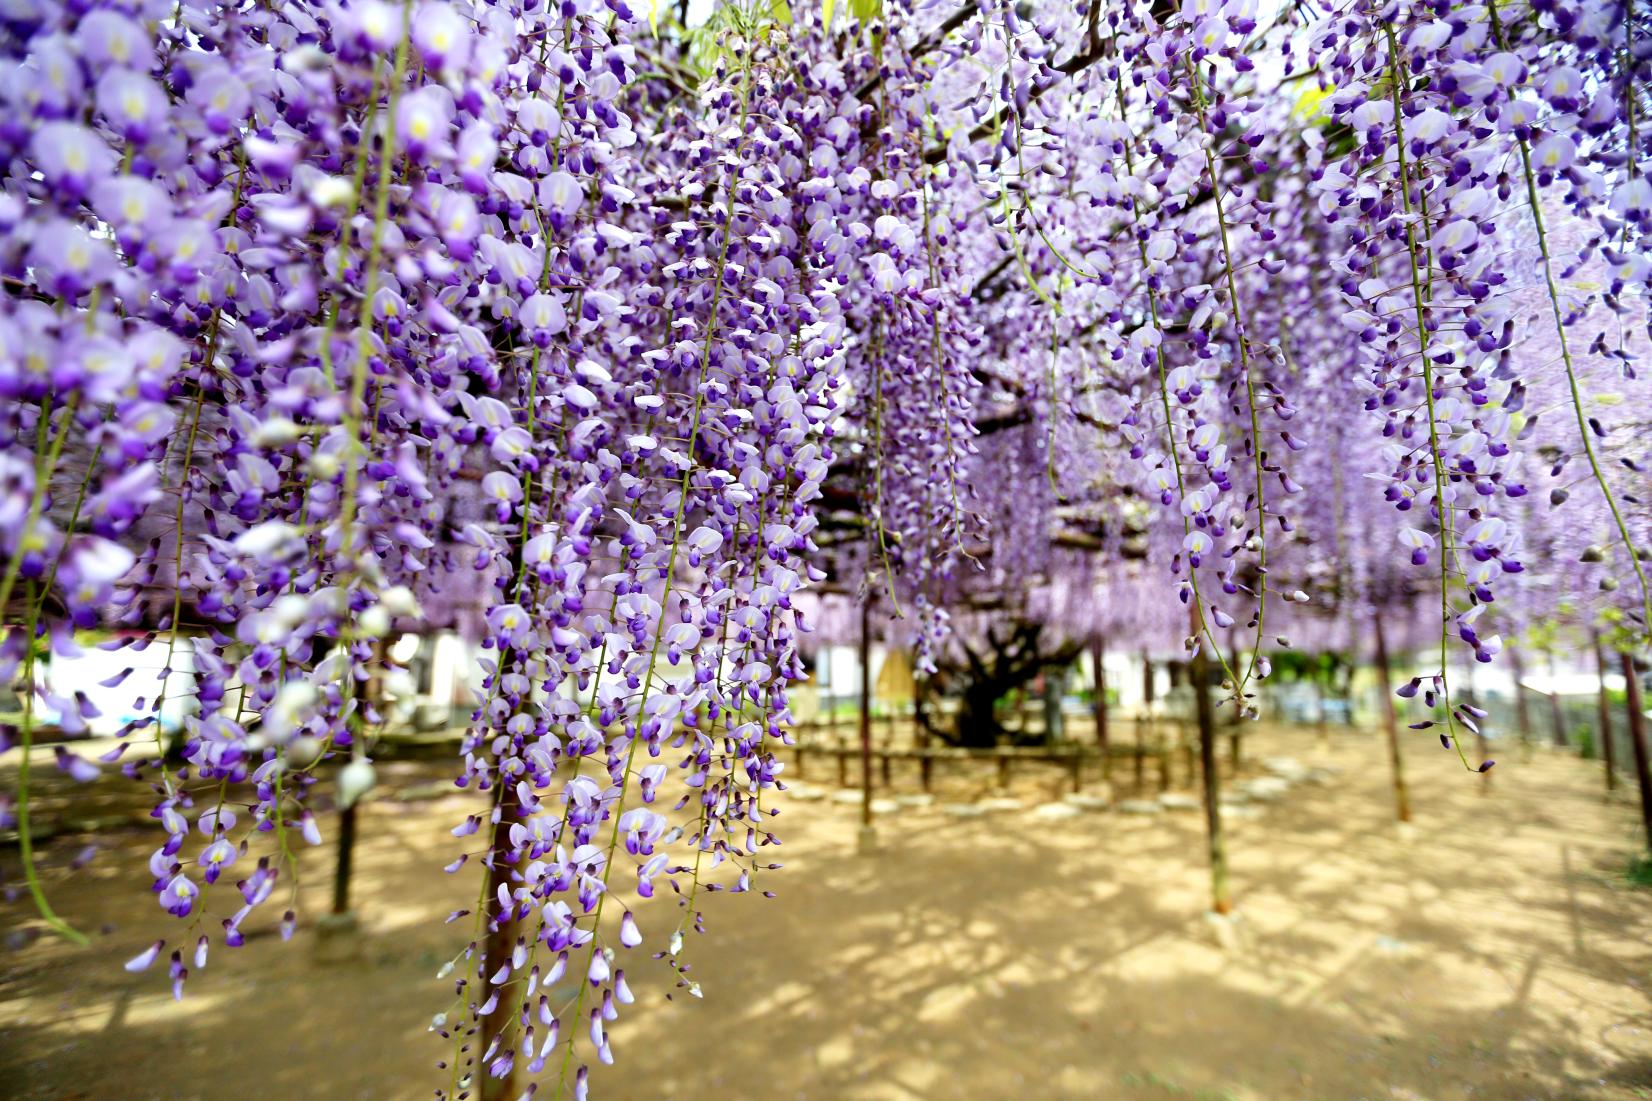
<point x="832" y="711"/>
<point x="1321" y="722"/>
<point x="1385" y="687"/>
<point x="1637" y="742"/>
<point x="920" y="728"/>
<point x="1055" y="688"/>
<point x="1199" y="671"/>
<point x="1141" y="750"/>
<point x="500" y="943"/>
<point x="1522" y="708"/>
<point x="866" y="712"/>
<point x="1099" y="656"/>
<point x="1557" y="717"/>
<point x="346" y="859"/>
<point x="1604" y="706"/>
<point x="369" y="695"/>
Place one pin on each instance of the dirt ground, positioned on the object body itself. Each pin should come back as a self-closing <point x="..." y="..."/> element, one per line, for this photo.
<point x="1498" y="953"/>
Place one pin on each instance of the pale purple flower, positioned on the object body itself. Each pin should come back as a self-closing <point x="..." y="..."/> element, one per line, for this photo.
<point x="221" y="99"/>
<point x="476" y="152"/>
<point x="178" y="895"/>
<point x="215" y="858"/>
<point x="70" y="157"/>
<point x="68" y="261"/>
<point x="131" y="104"/>
<point x="458" y="224"/>
<point x="442" y="36"/>
<point x="543" y="317"/>
<point x="135" y="207"/>
<point x="423" y="121"/>
<point x="108" y="38"/>
<point x="561" y="196"/>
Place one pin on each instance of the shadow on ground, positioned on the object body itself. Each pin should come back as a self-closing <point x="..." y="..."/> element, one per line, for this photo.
<point x="1497" y="954"/>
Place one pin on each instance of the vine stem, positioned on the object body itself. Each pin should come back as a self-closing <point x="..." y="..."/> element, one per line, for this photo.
<point x="877" y="463"/>
<point x="940" y="373"/>
<point x="1441" y="508"/>
<point x="670" y="569"/>
<point x="1627" y="61"/>
<point x="44" y="468"/>
<point x="215" y="328"/>
<point x="1243" y="343"/>
<point x="877" y="405"/>
<point x="375" y="251"/>
<point x="496" y="1027"/>
<point x="25" y="838"/>
<point x="1201" y="625"/>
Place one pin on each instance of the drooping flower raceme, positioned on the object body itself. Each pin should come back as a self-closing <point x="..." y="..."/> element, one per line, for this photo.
<point x="323" y="324"/>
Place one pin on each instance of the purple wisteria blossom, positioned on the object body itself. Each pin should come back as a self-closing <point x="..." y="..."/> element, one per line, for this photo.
<point x="329" y="323"/>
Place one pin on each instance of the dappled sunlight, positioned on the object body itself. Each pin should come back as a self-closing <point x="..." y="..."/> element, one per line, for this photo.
<point x="1486" y="950"/>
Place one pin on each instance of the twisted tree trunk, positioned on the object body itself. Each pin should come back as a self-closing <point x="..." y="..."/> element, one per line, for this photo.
<point x="1002" y="665"/>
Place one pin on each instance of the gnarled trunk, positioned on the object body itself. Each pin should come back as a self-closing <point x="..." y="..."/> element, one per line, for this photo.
<point x="976" y="725"/>
<point x="1002" y="665"/>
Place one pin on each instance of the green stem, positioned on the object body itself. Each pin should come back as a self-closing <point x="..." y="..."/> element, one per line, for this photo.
<point x="1201" y="625"/>
<point x="940" y="375"/>
<point x="671" y="560"/>
<point x="25" y="838"/>
<point x="1418" y="301"/>
<point x="1243" y="343"/>
<point x="375" y="251"/>
<point x="44" y="468"/>
<point x="877" y="460"/>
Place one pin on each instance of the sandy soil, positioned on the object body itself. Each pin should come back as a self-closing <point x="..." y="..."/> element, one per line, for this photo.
<point x="1496" y="954"/>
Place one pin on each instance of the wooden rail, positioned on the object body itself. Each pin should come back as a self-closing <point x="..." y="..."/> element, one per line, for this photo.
<point x="1157" y="740"/>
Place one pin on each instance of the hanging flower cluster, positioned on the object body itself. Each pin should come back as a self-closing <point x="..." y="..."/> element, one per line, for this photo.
<point x="323" y="321"/>
<point x="321" y="318"/>
<point x="1445" y="147"/>
<point x="1351" y="224"/>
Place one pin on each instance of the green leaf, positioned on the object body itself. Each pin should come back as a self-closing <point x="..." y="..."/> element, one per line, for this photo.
<point x="826" y="17"/>
<point x="866" y="10"/>
<point x="1310" y="105"/>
